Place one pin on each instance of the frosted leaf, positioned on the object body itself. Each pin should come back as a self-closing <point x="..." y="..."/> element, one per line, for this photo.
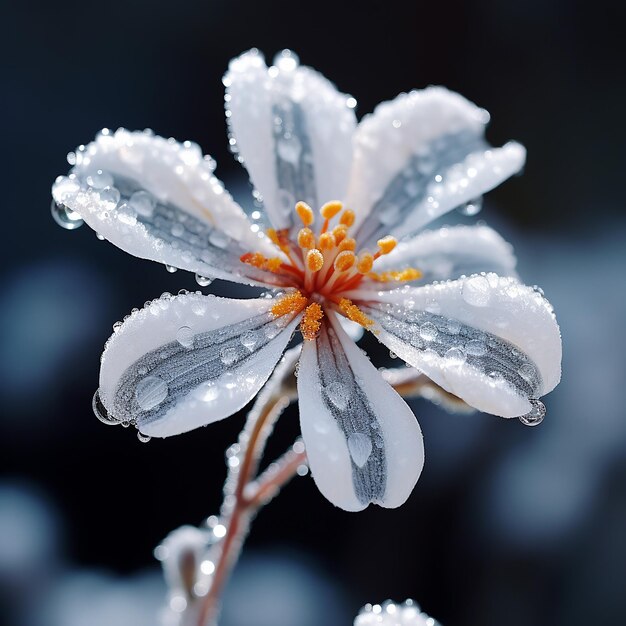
<point x="158" y="199"/>
<point x="363" y="442"/>
<point x="169" y="370"/>
<point x="507" y="334"/>
<point x="293" y="131"/>
<point x="437" y="161"/>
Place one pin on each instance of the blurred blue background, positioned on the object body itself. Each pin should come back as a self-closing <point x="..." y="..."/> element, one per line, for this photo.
<point x="508" y="525"/>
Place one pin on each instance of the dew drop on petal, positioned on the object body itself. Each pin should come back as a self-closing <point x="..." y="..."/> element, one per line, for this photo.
<point x="475" y="347"/>
<point x="428" y="331"/>
<point x="338" y="394"/>
<point x="360" y="448"/>
<point x="527" y="372"/>
<point x="150" y="392"/>
<point x="250" y="339"/>
<point x="228" y="355"/>
<point x="143" y="438"/>
<point x="65" y="217"/>
<point x="472" y="207"/>
<point x="142" y="203"/>
<point x="185" y="336"/>
<point x="171" y="269"/>
<point x="476" y="291"/>
<point x="110" y="196"/>
<point x="203" y="281"/>
<point x="218" y="239"/>
<point x="535" y="416"/>
<point x="99" y="179"/>
<point x="455" y="356"/>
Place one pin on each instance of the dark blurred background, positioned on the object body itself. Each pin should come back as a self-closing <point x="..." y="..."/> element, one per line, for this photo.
<point x="508" y="524"/>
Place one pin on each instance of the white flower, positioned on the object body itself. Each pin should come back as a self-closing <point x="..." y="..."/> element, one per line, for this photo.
<point x="188" y="360"/>
<point x="392" y="614"/>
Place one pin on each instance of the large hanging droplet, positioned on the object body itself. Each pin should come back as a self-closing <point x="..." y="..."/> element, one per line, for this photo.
<point x="535" y="416"/>
<point x="65" y="217"/>
<point x="100" y="412"/>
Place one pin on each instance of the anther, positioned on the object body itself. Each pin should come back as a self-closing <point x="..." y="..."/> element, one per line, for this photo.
<point x="306" y="238"/>
<point x="326" y="241"/>
<point x="365" y="262"/>
<point x="353" y="313"/>
<point x="344" y="261"/>
<point x="347" y="218"/>
<point x="273" y="235"/>
<point x="314" y="260"/>
<point x="330" y="209"/>
<point x="340" y="232"/>
<point x="386" y="244"/>
<point x="305" y="212"/>
<point x="292" y="302"/>
<point x="311" y="321"/>
<point x="347" y="244"/>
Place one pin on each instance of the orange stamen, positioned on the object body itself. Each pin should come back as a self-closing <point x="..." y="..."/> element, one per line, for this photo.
<point x="410" y="273"/>
<point x="347" y="218"/>
<point x="305" y="212"/>
<point x="352" y="312"/>
<point x="292" y="302"/>
<point x="314" y="260"/>
<point x="306" y="238"/>
<point x="344" y="261"/>
<point x="311" y="321"/>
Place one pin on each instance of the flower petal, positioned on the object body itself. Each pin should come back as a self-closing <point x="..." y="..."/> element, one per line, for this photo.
<point x="450" y="252"/>
<point x="418" y="157"/>
<point x="189" y="360"/>
<point x="491" y="341"/>
<point x="292" y="129"/>
<point x="158" y="199"/>
<point x="363" y="442"/>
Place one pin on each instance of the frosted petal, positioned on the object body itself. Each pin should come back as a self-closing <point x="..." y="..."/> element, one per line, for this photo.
<point x="168" y="386"/>
<point x="363" y="442"/>
<point x="293" y="131"/>
<point x="419" y="156"/>
<point x="450" y="252"/>
<point x="158" y="199"/>
<point x="491" y="341"/>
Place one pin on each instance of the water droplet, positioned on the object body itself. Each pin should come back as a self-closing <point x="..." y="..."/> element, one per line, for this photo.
<point x="100" y="412"/>
<point x="475" y="347"/>
<point x="100" y="237"/>
<point x="289" y="149"/>
<point x="455" y="356"/>
<point x="476" y="291"/>
<point x="143" y="203"/>
<point x="218" y="239"/>
<point x="99" y="179"/>
<point x="228" y="355"/>
<point x="177" y="230"/>
<point x="109" y="196"/>
<point x="428" y="331"/>
<point x="360" y="448"/>
<point x="150" y="392"/>
<point x="392" y="354"/>
<point x="185" y="336"/>
<point x="472" y="207"/>
<point x="527" y="372"/>
<point x="143" y="438"/>
<point x="65" y="217"/>
<point x="171" y="269"/>
<point x="338" y="394"/>
<point x="250" y="339"/>
<point x="203" y="281"/>
<point x="535" y="415"/>
<point x="286" y="61"/>
<point x="117" y="326"/>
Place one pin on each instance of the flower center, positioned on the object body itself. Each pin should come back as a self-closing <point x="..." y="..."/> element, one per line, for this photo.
<point x="324" y="266"/>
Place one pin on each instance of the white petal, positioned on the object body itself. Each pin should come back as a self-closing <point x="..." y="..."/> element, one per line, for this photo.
<point x="158" y="199"/>
<point x="293" y="131"/>
<point x="418" y="157"/>
<point x="186" y="361"/>
<point x="489" y="340"/>
<point x="363" y="442"/>
<point x="450" y="252"/>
